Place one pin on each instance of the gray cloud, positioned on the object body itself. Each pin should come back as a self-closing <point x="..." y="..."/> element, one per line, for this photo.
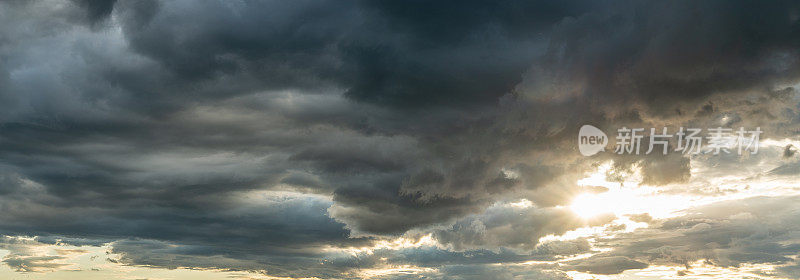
<point x="605" y="265"/>
<point x="33" y="264"/>
<point x="152" y="124"/>
<point x="508" y="227"/>
<point x="758" y="230"/>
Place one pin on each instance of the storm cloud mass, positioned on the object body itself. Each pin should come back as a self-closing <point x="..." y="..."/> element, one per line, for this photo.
<point x="394" y="139"/>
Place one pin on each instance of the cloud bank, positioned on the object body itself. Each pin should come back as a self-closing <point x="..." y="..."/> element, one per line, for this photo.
<point x="285" y="137"/>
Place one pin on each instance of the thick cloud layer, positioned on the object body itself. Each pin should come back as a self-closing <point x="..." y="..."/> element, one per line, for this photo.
<point x="265" y="135"/>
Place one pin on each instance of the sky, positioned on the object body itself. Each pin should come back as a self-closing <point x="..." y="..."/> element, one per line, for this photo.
<point x="349" y="139"/>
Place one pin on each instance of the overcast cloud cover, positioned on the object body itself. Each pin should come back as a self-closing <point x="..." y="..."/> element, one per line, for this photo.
<point x="392" y="139"/>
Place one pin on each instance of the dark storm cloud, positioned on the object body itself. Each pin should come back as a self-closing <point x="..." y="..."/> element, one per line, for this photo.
<point x="452" y="54"/>
<point x="148" y="108"/>
<point x="96" y="10"/>
<point x="153" y="123"/>
<point x="171" y="256"/>
<point x="668" y="56"/>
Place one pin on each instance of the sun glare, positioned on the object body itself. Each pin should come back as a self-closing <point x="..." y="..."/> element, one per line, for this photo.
<point x="588" y="205"/>
<point x="625" y="198"/>
<point x="626" y="201"/>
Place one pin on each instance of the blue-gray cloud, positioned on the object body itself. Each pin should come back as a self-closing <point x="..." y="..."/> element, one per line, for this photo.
<point x="152" y="124"/>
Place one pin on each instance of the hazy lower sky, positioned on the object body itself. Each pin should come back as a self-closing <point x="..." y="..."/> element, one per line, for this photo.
<point x="347" y="139"/>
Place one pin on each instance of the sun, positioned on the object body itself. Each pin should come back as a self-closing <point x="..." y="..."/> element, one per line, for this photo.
<point x="624" y="201"/>
<point x="588" y="205"/>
